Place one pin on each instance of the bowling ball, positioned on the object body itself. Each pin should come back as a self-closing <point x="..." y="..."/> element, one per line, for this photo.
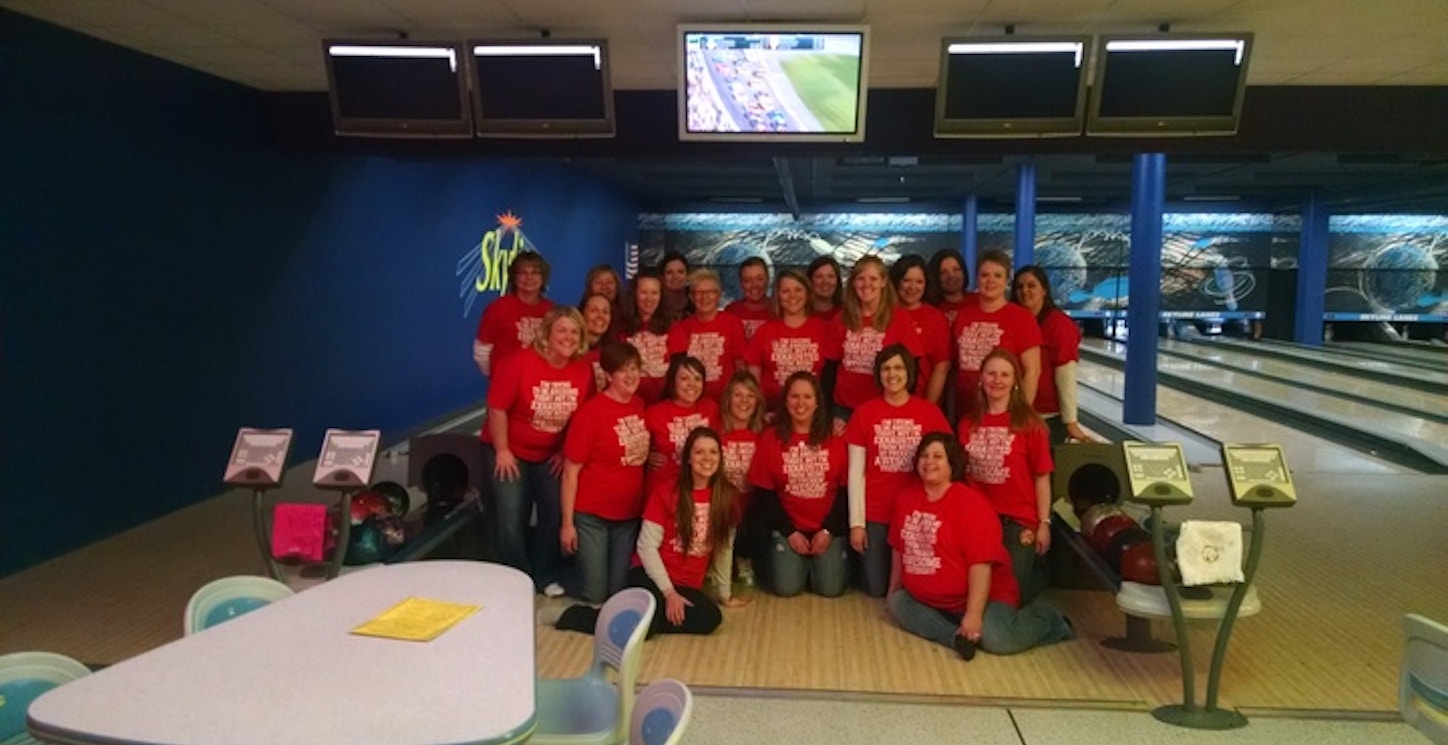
<point x="378" y="537"/>
<point x="368" y="503"/>
<point x="1138" y="564"/>
<point x="1091" y="517"/>
<point x="1106" y="530"/>
<point x="1119" y="543"/>
<point x="397" y="497"/>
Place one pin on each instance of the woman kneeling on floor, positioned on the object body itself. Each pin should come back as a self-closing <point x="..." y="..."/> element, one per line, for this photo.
<point x="950" y="577"/>
<point x="687" y="532"/>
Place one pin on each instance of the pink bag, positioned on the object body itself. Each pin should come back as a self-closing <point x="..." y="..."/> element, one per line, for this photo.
<point x="299" y="532"/>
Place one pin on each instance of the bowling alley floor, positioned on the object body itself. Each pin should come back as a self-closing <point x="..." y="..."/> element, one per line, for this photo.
<point x="1319" y="664"/>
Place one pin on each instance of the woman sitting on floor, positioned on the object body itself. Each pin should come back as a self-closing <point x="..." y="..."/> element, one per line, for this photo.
<point x="950" y="577"/>
<point x="687" y="532"/>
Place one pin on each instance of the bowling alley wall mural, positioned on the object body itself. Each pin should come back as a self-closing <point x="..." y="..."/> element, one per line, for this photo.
<point x="1383" y="267"/>
<point x="482" y="270"/>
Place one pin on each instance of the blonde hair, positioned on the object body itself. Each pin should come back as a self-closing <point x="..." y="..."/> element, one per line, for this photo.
<point x="851" y="315"/>
<point x="797" y="276"/>
<point x="741" y="377"/>
<point x="553" y="316"/>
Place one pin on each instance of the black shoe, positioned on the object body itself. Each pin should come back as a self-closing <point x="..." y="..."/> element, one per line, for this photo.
<point x="964" y="647"/>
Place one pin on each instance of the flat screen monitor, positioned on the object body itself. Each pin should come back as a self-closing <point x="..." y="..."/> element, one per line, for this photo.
<point x="1011" y="87"/>
<point x="397" y="89"/>
<point x="780" y="82"/>
<point x="1168" y="85"/>
<point x="541" y="88"/>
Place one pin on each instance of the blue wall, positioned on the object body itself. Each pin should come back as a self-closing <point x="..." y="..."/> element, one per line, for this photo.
<point x="169" y="277"/>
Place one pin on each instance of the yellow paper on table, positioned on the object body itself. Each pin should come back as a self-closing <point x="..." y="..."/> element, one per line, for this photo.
<point x="416" y="619"/>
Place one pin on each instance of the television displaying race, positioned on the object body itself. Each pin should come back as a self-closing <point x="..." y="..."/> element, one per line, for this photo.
<point x="786" y="83"/>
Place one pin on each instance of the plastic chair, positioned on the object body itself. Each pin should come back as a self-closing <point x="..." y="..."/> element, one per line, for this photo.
<point x="590" y="709"/>
<point x="229" y="597"/>
<point x="661" y="713"/>
<point x="1423" y="686"/>
<point x="23" y="677"/>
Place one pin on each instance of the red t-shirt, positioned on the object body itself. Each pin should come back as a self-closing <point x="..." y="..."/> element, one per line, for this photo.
<point x="539" y="400"/>
<point x="806" y="478"/>
<point x="739" y="447"/>
<point x="718" y="343"/>
<point x="600" y="378"/>
<point x="781" y="351"/>
<point x="890" y="436"/>
<point x="669" y="426"/>
<point x="1004" y="464"/>
<point x="951" y="308"/>
<point x="826" y="315"/>
<point x="1060" y="343"/>
<point x="856" y="350"/>
<point x="509" y="324"/>
<point x="611" y="441"/>
<point x="934" y="330"/>
<point x="685" y="567"/>
<point x="753" y="318"/>
<point x="654" y="349"/>
<point x="940" y="541"/>
<point x="976" y="333"/>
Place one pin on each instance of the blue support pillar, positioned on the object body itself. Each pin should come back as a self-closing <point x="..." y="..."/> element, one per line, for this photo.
<point x="969" y="229"/>
<point x="1148" y="197"/>
<point x="1025" y="243"/>
<point x="1311" y="273"/>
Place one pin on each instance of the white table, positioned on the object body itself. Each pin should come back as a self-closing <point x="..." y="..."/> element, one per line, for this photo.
<point x="291" y="673"/>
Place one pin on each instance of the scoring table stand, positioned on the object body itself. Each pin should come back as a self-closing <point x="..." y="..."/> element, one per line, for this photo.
<point x="345" y="466"/>
<point x="258" y="461"/>
<point x="1257" y="479"/>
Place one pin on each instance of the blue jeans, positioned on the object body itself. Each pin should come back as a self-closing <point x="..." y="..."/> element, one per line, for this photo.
<point x="605" y="549"/>
<point x="875" y="561"/>
<point x="827" y="574"/>
<point x="513" y="503"/>
<point x="1004" y="630"/>
<point x="1029" y="571"/>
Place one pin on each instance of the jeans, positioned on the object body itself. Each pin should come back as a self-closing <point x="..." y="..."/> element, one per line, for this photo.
<point x="827" y="574"/>
<point x="875" y="561"/>
<point x="605" y="549"/>
<point x="1025" y="565"/>
<point x="513" y="504"/>
<point x="1004" y="630"/>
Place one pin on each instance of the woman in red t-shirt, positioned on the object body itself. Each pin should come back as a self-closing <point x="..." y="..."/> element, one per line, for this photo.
<point x="752" y="309"/>
<point x="949" y="578"/>
<point x="792" y="342"/>
<point x="531" y="401"/>
<point x="798" y="471"/>
<point x="687" y="533"/>
<point x="883" y="436"/>
<point x="642" y="323"/>
<point x="603" y="479"/>
<point x="871" y="320"/>
<point x="908" y="277"/>
<point x="1060" y="350"/>
<point x="510" y="323"/>
<point x="709" y="335"/>
<point x="826" y="290"/>
<point x="993" y="321"/>
<point x="945" y="283"/>
<point x="743" y="417"/>
<point x="670" y="421"/>
<point x="1010" y="463"/>
<point x="597" y="312"/>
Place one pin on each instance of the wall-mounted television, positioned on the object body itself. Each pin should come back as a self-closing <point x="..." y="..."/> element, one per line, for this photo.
<point x="1011" y="87"/>
<point x="398" y="89"/>
<point x="796" y="82"/>
<point x="1168" y="84"/>
<point x="541" y="88"/>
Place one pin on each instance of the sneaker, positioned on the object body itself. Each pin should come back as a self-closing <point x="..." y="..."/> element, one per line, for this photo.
<point x="553" y="590"/>
<point x="965" y="648"/>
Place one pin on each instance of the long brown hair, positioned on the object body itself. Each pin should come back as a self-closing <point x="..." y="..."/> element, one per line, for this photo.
<point x="819" y="426"/>
<point x="1023" y="417"/>
<point x="721" y="496"/>
<point x="851" y="314"/>
<point x="743" y="378"/>
<point x="629" y="319"/>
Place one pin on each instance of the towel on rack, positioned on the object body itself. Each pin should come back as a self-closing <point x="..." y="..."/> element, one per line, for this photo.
<point x="1210" y="552"/>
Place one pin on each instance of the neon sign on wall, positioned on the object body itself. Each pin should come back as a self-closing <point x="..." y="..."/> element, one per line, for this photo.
<point x="483" y="268"/>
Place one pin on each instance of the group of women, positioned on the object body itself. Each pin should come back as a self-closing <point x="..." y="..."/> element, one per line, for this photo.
<point x="665" y="442"/>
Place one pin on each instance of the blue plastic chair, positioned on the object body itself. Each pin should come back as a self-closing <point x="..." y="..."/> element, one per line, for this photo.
<point x="661" y="713"/>
<point x="23" y="677"/>
<point x="591" y="709"/>
<point x="1423" y="690"/>
<point x="229" y="597"/>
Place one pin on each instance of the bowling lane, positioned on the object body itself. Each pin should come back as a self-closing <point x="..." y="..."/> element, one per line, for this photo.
<point x="1372" y="389"/>
<point x="1436" y="380"/>
<point x="1414" y="353"/>
<point x="1304" y="452"/>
